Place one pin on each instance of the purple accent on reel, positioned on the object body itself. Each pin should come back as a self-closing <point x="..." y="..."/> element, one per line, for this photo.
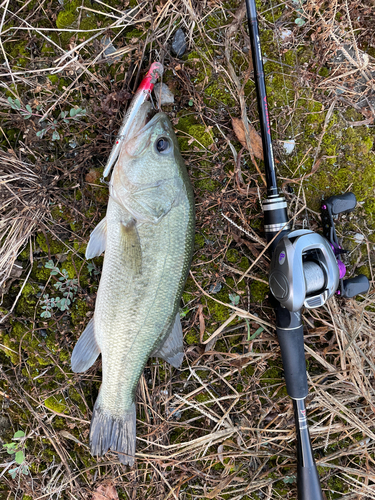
<point x="338" y="292"/>
<point x="342" y="268"/>
<point x="336" y="249"/>
<point x="324" y="207"/>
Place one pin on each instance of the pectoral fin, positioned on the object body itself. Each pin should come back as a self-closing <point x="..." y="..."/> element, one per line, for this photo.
<point x="86" y="350"/>
<point x="131" y="246"/>
<point x="172" y="350"/>
<point x="98" y="240"/>
<point x="154" y="201"/>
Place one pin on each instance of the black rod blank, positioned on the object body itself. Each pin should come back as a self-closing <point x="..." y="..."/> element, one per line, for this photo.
<point x="289" y="324"/>
<point x="262" y="99"/>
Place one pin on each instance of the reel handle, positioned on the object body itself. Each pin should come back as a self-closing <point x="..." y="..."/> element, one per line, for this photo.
<point x="332" y="206"/>
<point x="341" y="204"/>
<point x="354" y="286"/>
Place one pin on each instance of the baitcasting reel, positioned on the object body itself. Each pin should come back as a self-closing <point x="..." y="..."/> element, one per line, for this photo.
<point x="306" y="269"/>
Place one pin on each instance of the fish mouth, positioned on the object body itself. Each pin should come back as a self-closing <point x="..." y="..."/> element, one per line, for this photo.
<point x="146" y="117"/>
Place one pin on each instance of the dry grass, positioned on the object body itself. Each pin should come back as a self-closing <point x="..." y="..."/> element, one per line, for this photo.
<point x="222" y="426"/>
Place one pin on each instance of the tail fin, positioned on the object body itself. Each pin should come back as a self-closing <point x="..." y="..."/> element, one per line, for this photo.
<point x="113" y="432"/>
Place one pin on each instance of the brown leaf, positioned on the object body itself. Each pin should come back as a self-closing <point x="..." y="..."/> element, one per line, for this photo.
<point x="255" y="139"/>
<point x="252" y="246"/>
<point x="105" y="492"/>
<point x="93" y="176"/>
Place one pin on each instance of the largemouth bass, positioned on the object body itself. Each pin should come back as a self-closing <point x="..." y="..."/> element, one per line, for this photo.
<point x="147" y="236"/>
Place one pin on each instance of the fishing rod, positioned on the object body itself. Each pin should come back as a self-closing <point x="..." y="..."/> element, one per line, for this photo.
<point x="306" y="270"/>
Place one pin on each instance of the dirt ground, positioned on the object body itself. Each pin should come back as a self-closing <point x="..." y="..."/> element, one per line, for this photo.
<point x="221" y="427"/>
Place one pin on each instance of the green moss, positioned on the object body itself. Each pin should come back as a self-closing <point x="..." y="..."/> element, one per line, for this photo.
<point x="138" y="34"/>
<point x="80" y="247"/>
<point x="47" y="50"/>
<point x="27" y="302"/>
<point x="244" y="265"/>
<point x="8" y="347"/>
<point x="73" y="17"/>
<point x="53" y="79"/>
<point x="219" y="312"/>
<point x="40" y="273"/>
<point x="199" y="241"/>
<point x="201" y="71"/>
<point x="18" y="53"/>
<point x="78" y="311"/>
<point x="202" y="397"/>
<point x="232" y="255"/>
<point x="259" y="290"/>
<point x="336" y="484"/>
<point x="324" y="72"/>
<point x="77" y="398"/>
<point x="195" y="130"/>
<point x="64" y="356"/>
<point x="290" y="57"/>
<point x="192" y="338"/>
<point x="364" y="270"/>
<point x="55" y="404"/>
<point x="219" y="92"/>
<point x="207" y="184"/>
<point x="272" y="15"/>
<point x="353" y="165"/>
<point x="53" y="245"/>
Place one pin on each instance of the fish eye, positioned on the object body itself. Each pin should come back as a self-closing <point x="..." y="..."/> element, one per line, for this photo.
<point x="163" y="145"/>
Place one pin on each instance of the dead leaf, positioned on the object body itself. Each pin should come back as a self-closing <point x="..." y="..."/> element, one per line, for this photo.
<point x="255" y="139"/>
<point x="251" y="246"/>
<point x="202" y="326"/>
<point x="222" y="485"/>
<point x="105" y="492"/>
<point x="93" y="176"/>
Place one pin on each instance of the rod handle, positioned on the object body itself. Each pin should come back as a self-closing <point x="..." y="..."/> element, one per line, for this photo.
<point x="289" y="331"/>
<point x="308" y="484"/>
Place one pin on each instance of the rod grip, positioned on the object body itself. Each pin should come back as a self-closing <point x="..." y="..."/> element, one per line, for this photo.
<point x="289" y="331"/>
<point x="308" y="484"/>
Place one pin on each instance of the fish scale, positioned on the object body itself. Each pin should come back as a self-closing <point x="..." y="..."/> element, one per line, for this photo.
<point x="143" y="317"/>
<point x="148" y="237"/>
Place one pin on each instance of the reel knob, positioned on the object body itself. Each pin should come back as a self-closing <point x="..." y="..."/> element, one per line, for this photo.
<point x="341" y="204"/>
<point x="354" y="286"/>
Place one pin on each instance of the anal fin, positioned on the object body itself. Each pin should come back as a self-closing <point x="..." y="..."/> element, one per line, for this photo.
<point x="172" y="350"/>
<point x="86" y="350"/>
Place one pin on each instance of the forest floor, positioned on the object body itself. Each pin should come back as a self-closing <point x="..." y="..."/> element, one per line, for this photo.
<point x="222" y="426"/>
